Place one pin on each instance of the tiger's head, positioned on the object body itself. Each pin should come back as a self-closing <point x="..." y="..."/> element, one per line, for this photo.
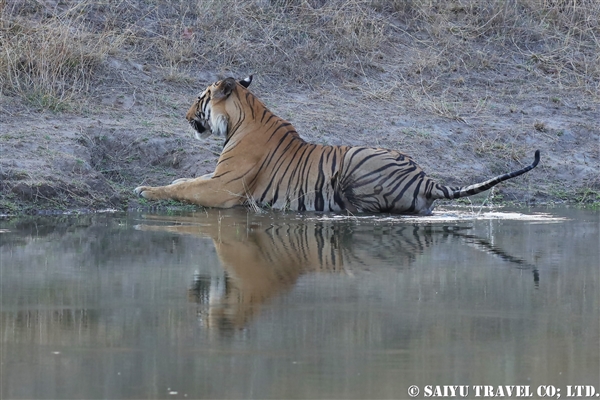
<point x="207" y="115"/>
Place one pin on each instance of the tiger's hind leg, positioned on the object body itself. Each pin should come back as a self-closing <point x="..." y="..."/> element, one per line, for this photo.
<point x="379" y="180"/>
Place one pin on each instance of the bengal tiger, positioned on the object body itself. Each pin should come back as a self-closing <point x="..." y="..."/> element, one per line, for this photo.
<point x="265" y="162"/>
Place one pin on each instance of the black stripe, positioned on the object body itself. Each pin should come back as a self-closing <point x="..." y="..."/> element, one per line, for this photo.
<point x="376" y="172"/>
<point x="415" y="196"/>
<point x="408" y="184"/>
<point x="293" y="189"/>
<point x="319" y="201"/>
<point x="238" y="178"/>
<point x="429" y="188"/>
<point x="277" y="167"/>
<point x="301" y="206"/>
<point x="248" y="95"/>
<point x="263" y="115"/>
<point x="361" y="162"/>
<point x="333" y="161"/>
<point x="278" y="128"/>
<point x="402" y="177"/>
<point x="307" y="162"/>
<point x="224" y="159"/>
<point x="223" y="174"/>
<point x="282" y="176"/>
<point x="268" y="159"/>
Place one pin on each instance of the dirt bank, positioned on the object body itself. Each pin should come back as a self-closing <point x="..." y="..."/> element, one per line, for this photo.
<point x="465" y="113"/>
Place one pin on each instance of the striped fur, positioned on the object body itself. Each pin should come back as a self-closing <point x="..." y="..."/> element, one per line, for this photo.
<point x="265" y="162"/>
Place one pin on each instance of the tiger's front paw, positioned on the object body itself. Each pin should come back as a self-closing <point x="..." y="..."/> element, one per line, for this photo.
<point x="146" y="192"/>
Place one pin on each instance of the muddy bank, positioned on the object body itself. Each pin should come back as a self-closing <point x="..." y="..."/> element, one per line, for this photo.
<point x="89" y="164"/>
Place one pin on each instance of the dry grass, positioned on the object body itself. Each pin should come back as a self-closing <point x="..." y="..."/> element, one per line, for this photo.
<point x="52" y="53"/>
<point x="50" y="63"/>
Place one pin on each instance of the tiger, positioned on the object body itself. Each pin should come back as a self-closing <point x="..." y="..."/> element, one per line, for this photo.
<point x="264" y="162"/>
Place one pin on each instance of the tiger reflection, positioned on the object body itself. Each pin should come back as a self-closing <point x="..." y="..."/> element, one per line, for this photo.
<point x="262" y="259"/>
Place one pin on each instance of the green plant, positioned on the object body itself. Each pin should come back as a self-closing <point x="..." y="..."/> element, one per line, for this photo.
<point x="587" y="195"/>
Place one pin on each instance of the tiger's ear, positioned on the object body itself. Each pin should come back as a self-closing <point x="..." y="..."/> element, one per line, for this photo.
<point x="246" y="81"/>
<point x="225" y="88"/>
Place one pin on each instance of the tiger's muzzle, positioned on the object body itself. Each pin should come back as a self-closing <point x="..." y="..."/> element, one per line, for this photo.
<point x="201" y="128"/>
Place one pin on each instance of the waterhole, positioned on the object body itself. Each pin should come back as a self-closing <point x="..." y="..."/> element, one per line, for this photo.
<point x="231" y="304"/>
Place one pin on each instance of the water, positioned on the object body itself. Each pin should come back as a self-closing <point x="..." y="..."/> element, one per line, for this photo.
<point x="234" y="305"/>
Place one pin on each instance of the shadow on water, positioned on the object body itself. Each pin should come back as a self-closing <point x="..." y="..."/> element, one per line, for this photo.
<point x="262" y="258"/>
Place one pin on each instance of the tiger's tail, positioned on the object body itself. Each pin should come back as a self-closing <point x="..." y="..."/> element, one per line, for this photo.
<point x="446" y="192"/>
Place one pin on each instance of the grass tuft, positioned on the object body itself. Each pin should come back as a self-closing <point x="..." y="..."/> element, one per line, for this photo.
<point x="51" y="63"/>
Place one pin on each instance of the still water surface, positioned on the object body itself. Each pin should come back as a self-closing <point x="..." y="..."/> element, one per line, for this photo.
<point x="235" y="305"/>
